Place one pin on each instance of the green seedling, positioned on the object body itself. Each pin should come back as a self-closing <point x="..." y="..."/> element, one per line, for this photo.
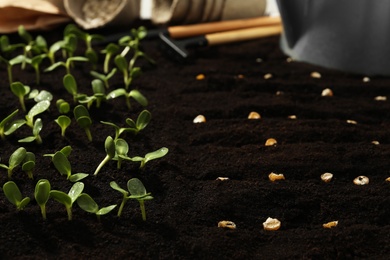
<point x="86" y="203"/>
<point x="13" y="194"/>
<point x="35" y="62"/>
<point x="121" y="149"/>
<point x="99" y="94"/>
<point x="62" y="164"/>
<point x="7" y="126"/>
<point x="35" y="131"/>
<point x="63" y="106"/>
<point x="109" y="146"/>
<point x="39" y="96"/>
<point x="10" y="63"/>
<point x="67" y="64"/>
<point x="70" y="85"/>
<point x="135" y="94"/>
<point x="68" y="199"/>
<point x="66" y="151"/>
<point x="148" y="157"/>
<point x="37" y="109"/>
<point x="51" y="52"/>
<point x="125" y="198"/>
<point x="42" y="195"/>
<point x="6" y="47"/>
<point x="128" y="74"/>
<point x="82" y="117"/>
<point x="104" y="77"/>
<point x="20" y="90"/>
<point x="63" y="121"/>
<point x="69" y="46"/>
<point x="137" y="191"/>
<point x="15" y="159"/>
<point x="110" y="50"/>
<point x="29" y="164"/>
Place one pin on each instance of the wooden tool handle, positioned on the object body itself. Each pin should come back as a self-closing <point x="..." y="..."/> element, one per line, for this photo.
<point x="183" y="31"/>
<point x="242" y="34"/>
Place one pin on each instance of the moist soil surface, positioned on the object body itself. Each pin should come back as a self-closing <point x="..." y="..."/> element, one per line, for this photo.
<point x="329" y="134"/>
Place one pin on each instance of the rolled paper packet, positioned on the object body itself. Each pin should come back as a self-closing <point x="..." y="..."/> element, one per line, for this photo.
<point x="198" y="11"/>
<point x="32" y="14"/>
<point x="90" y="14"/>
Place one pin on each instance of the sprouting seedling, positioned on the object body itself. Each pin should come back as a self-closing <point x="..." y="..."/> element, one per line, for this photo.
<point x="138" y="192"/>
<point x="63" y="121"/>
<point x="37" y="109"/>
<point x="68" y="199"/>
<point x="110" y="50"/>
<point x="65" y="150"/>
<point x="52" y="51"/>
<point x="13" y="194"/>
<point x="104" y="77"/>
<point x="82" y="117"/>
<point x="67" y="64"/>
<point x="121" y="149"/>
<point x="7" y="126"/>
<point x="39" y="96"/>
<point x="29" y="164"/>
<point x="135" y="94"/>
<point x="109" y="146"/>
<point x="35" y="62"/>
<point x="88" y="204"/>
<point x="62" y="164"/>
<point x="15" y="159"/>
<point x="62" y="106"/>
<point x="10" y="63"/>
<point x="20" y="90"/>
<point x="42" y="195"/>
<point x="70" y="85"/>
<point x="128" y="74"/>
<point x="69" y="45"/>
<point x="148" y="157"/>
<point x="99" y="94"/>
<point x="6" y="47"/>
<point x="38" y="125"/>
<point x="125" y="198"/>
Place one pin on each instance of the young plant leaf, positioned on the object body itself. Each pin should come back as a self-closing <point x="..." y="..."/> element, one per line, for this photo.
<point x="20" y="91"/>
<point x="109" y="146"/>
<point x="63" y="106"/>
<point x="68" y="199"/>
<point x="29" y="164"/>
<point x="42" y="194"/>
<point x="13" y="194"/>
<point x="82" y="117"/>
<point x="15" y="159"/>
<point x="138" y="192"/>
<point x="37" y="109"/>
<point x="63" y="121"/>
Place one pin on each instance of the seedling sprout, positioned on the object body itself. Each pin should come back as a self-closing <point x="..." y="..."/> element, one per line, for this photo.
<point x="63" y="121"/>
<point x="109" y="146"/>
<point x="42" y="194"/>
<point x="62" y="106"/>
<point x="37" y="109"/>
<point x="29" y="164"/>
<point x="10" y="63"/>
<point x="104" y="77"/>
<point x="99" y="94"/>
<point x="15" y="159"/>
<point x="148" y="157"/>
<point x="13" y="194"/>
<point x="110" y="50"/>
<point x="135" y="94"/>
<point x="7" y="126"/>
<point x="20" y="91"/>
<point x="68" y="199"/>
<point x="138" y="192"/>
<point x="62" y="164"/>
<point x="86" y="203"/>
<point x="35" y="131"/>
<point x="82" y="117"/>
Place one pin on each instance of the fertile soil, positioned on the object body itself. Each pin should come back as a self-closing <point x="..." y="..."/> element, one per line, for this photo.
<point x="182" y="219"/>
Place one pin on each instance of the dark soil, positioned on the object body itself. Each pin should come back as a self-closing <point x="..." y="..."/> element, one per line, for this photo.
<point x="188" y="200"/>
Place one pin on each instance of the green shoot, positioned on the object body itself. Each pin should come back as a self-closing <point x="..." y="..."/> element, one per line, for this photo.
<point x="6" y="47"/>
<point x="20" y="91"/>
<point x="125" y="198"/>
<point x="62" y="164"/>
<point x="7" y="126"/>
<point x="29" y="164"/>
<point x="138" y="192"/>
<point x="148" y="157"/>
<point x="86" y="203"/>
<point x="143" y="120"/>
<point x="39" y="96"/>
<point x="15" y="159"/>
<point x="109" y="146"/>
<point x="121" y="63"/>
<point x="63" y="106"/>
<point x="121" y="150"/>
<point x="65" y="150"/>
<point x="63" y="121"/>
<point x="37" y="109"/>
<point x="99" y="94"/>
<point x="67" y="64"/>
<point x="42" y="194"/>
<point x="135" y="94"/>
<point x="13" y="194"/>
<point x="68" y="199"/>
<point x="70" y="85"/>
<point x="104" y="77"/>
<point x="82" y="117"/>
<point x="35" y="62"/>
<point x="35" y="131"/>
<point x="10" y="63"/>
<point x="110" y="50"/>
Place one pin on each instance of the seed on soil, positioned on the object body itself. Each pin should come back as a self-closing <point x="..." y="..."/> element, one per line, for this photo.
<point x="289" y="59"/>
<point x="199" y="119"/>
<point x="279" y="93"/>
<point x="361" y="180"/>
<point x="268" y="76"/>
<point x="352" y="122"/>
<point x="292" y="117"/>
<point x="381" y="98"/>
<point x="366" y="79"/>
<point x="315" y="75"/>
<point x="375" y="142"/>
<point x="271" y="224"/>
<point x="330" y="224"/>
<point x="327" y="92"/>
<point x="226" y="224"/>
<point x="387" y="179"/>
<point x="200" y="77"/>
<point x="254" y="115"/>
<point x="276" y="176"/>
<point x="270" y="142"/>
<point x="259" y="60"/>
<point x="326" y="177"/>
<point x="222" y="179"/>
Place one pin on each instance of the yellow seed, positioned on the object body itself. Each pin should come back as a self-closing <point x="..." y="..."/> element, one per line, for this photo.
<point x="276" y="176"/>
<point x="289" y="59"/>
<point x="387" y="179"/>
<point x="366" y="79"/>
<point x="375" y="142"/>
<point x="326" y="177"/>
<point x="292" y="117"/>
<point x="279" y="93"/>
<point x="200" y="77"/>
<point x="254" y="115"/>
<point x="240" y="76"/>
<point x="381" y="98"/>
<point x="222" y="179"/>
<point x="199" y="119"/>
<point x="327" y="92"/>
<point x="352" y="122"/>
<point x="226" y="224"/>
<point x="270" y="142"/>
<point x="330" y="224"/>
<point x="268" y="76"/>
<point x="315" y="75"/>
<point x="361" y="180"/>
<point x="271" y="224"/>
